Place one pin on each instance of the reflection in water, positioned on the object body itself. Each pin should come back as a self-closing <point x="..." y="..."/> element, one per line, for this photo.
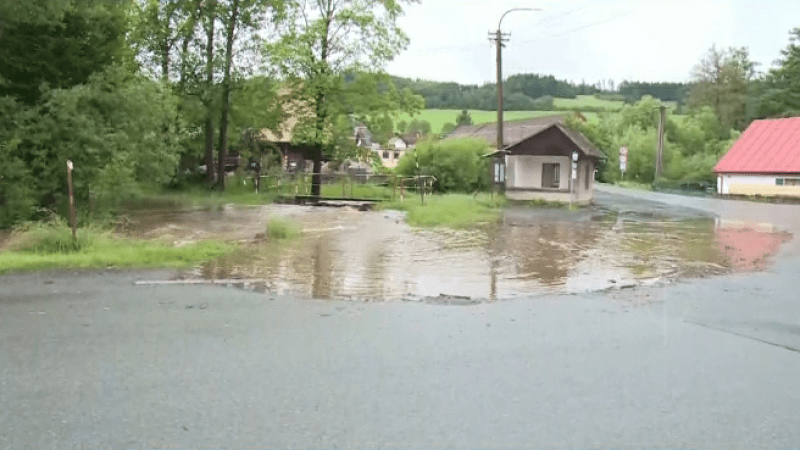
<point x="375" y="256"/>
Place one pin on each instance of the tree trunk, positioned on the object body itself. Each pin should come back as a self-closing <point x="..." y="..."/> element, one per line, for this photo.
<point x="209" y="125"/>
<point x="226" y="93"/>
<point x="316" y="176"/>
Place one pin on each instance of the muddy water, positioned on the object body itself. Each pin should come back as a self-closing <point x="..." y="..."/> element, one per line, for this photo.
<point x="376" y="256"/>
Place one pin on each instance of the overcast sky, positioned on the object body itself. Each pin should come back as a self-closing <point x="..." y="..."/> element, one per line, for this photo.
<point x="648" y="40"/>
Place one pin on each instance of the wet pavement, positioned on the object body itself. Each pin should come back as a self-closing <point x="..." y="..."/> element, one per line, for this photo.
<point x="88" y="359"/>
<point x="375" y="256"/>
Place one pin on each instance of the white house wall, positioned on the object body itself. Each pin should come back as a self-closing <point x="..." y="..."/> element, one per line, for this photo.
<point x="526" y="171"/>
<point x="755" y="185"/>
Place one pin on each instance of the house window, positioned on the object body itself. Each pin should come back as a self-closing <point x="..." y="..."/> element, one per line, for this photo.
<point x="787" y="181"/>
<point x="551" y="176"/>
<point x="396" y="155"/>
<point x="385" y="155"/>
<point x="587" y="175"/>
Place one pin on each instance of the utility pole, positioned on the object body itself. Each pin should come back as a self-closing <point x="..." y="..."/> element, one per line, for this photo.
<point x="662" y="122"/>
<point x="499" y="38"/>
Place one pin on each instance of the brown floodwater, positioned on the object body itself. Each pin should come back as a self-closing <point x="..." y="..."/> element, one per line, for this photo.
<point x="346" y="254"/>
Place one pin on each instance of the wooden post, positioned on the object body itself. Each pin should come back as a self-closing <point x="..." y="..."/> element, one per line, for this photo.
<point x="72" y="219"/>
<point x="421" y="189"/>
<point x="352" y="181"/>
<point x="662" y="120"/>
<point x="394" y="187"/>
<point x="344" y="180"/>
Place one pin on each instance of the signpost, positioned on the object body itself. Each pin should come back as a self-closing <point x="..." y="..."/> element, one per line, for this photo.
<point x="623" y="160"/>
<point x="574" y="177"/>
<point x="72" y="218"/>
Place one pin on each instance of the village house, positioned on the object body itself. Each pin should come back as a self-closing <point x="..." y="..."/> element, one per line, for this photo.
<point x="764" y="161"/>
<point x="537" y="157"/>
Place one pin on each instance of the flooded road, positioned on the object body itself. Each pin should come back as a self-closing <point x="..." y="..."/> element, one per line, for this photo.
<point x="375" y="256"/>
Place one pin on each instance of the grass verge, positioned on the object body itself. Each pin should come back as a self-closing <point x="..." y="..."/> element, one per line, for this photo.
<point x="634" y="185"/>
<point x="281" y="228"/>
<point x="50" y="246"/>
<point x="450" y="210"/>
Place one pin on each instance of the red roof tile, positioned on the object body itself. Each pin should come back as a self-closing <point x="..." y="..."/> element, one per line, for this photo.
<point x="767" y="146"/>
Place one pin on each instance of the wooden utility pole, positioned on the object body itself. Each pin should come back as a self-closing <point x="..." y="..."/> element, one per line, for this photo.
<point x="499" y="39"/>
<point x="662" y="122"/>
<point x="72" y="216"/>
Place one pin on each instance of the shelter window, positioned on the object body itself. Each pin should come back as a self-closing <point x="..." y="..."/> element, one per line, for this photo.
<point x="499" y="172"/>
<point x="385" y="155"/>
<point x="396" y="155"/>
<point x="551" y="176"/>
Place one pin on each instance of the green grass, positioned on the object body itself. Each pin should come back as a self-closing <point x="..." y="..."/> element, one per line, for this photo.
<point x="634" y="185"/>
<point x="450" y="210"/>
<point x="50" y="246"/>
<point x="282" y="228"/>
<point x="587" y="101"/>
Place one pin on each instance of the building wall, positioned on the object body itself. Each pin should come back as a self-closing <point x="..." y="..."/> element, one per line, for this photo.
<point x="765" y="185"/>
<point x="563" y="197"/>
<point x="391" y="161"/>
<point x="525" y="171"/>
<point x="524" y="179"/>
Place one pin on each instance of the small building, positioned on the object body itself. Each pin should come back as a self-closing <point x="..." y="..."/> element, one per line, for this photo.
<point x="764" y="161"/>
<point x="537" y="157"/>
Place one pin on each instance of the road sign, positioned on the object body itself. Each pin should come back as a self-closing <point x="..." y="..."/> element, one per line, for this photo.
<point x="623" y="159"/>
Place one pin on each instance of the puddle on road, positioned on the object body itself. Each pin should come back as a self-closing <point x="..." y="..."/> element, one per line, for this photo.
<point x="346" y="254"/>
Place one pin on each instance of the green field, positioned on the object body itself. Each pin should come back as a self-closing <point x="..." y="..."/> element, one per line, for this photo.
<point x="438" y="117"/>
<point x="588" y="101"/>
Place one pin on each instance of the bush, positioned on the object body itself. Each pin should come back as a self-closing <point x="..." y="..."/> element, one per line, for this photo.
<point x="459" y="165"/>
<point x="281" y="228"/>
<point x="51" y="238"/>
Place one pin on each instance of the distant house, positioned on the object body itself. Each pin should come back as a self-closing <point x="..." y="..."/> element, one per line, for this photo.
<point x="535" y="162"/>
<point x="764" y="161"/>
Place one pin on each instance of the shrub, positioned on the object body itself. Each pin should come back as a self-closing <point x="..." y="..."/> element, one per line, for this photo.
<point x="281" y="228"/>
<point x="459" y="165"/>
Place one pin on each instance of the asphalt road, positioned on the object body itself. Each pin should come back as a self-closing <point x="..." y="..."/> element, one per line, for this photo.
<point x="89" y="360"/>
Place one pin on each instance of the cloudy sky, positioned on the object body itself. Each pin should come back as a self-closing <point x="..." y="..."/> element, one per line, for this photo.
<point x="649" y="40"/>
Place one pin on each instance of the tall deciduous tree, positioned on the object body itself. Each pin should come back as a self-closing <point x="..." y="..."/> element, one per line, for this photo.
<point x="782" y="83"/>
<point x="323" y="41"/>
<point x="722" y="81"/>
<point x="59" y="44"/>
<point x="240" y="19"/>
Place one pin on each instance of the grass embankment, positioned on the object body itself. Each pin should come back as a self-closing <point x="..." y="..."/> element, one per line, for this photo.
<point x="449" y="210"/>
<point x="50" y="246"/>
<point x="634" y="185"/>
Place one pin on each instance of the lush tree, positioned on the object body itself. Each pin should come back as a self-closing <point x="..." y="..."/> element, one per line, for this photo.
<point x="323" y="41"/>
<point x="419" y="127"/>
<point x="781" y="90"/>
<point x="722" y="81"/>
<point x="464" y="118"/>
<point x="459" y="165"/>
<point x="120" y="129"/>
<point x="59" y="44"/>
<point x="447" y="128"/>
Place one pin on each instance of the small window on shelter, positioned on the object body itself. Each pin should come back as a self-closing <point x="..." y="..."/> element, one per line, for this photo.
<point x="551" y="176"/>
<point x="385" y="155"/>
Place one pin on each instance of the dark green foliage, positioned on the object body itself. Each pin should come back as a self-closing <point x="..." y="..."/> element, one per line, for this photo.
<point x="464" y="118"/>
<point x="459" y="165"/>
<point x="693" y="144"/>
<point x="781" y="87"/>
<point x="75" y="40"/>
<point x="633" y="91"/>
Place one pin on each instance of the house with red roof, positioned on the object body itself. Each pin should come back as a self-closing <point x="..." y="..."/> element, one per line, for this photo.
<point x="764" y="161"/>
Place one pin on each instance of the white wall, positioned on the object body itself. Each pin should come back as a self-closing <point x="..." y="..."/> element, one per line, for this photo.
<point x="755" y="185"/>
<point x="525" y="171"/>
